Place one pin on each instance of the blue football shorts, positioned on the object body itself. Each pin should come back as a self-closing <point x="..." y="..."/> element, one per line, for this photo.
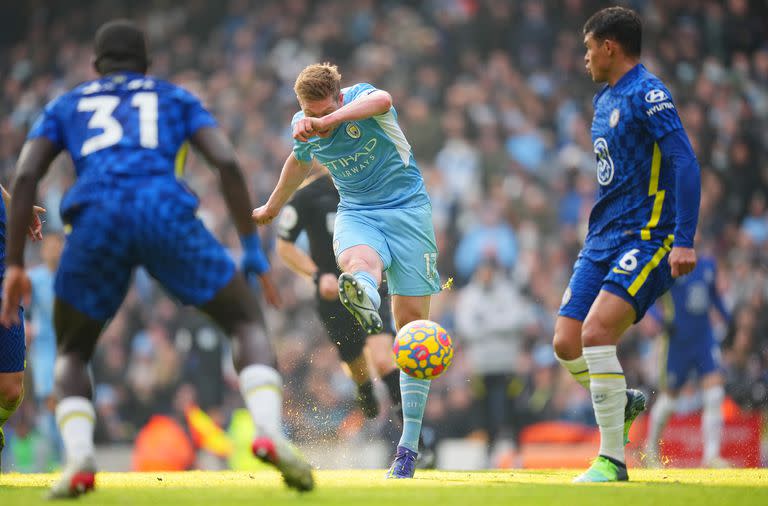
<point x="404" y="238"/>
<point x="638" y="273"/>
<point x="155" y="227"/>
<point x="13" y="347"/>
<point x="690" y="356"/>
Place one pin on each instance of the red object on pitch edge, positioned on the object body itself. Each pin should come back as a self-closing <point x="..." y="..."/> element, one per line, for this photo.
<point x="682" y="445"/>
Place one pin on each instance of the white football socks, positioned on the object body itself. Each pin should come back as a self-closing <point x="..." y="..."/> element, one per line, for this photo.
<point x="578" y="369"/>
<point x="76" y="417"/>
<point x="660" y="413"/>
<point x="262" y="391"/>
<point x="608" y="387"/>
<point x="712" y="421"/>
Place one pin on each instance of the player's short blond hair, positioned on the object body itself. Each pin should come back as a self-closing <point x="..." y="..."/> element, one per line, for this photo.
<point x="318" y="81"/>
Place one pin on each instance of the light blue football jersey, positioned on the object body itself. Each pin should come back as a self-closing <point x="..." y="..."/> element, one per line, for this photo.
<point x="370" y="160"/>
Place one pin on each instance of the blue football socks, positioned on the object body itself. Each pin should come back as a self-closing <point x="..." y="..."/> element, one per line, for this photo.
<point x="414" y="392"/>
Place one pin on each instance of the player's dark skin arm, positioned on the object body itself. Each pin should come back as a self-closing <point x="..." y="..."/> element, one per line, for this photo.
<point x="35" y="158"/>
<point x="219" y="152"/>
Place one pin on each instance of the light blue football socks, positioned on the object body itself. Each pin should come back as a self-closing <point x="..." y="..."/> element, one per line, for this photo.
<point x="370" y="286"/>
<point x="414" y="392"/>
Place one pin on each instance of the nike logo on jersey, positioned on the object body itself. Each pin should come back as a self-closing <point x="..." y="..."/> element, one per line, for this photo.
<point x="620" y="271"/>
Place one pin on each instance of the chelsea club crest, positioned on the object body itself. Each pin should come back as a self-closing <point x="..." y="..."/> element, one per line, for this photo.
<point x="614" y="119"/>
<point x="604" y="162"/>
<point x="353" y="130"/>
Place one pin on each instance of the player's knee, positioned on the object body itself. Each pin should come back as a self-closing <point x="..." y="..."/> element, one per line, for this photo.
<point x="357" y="259"/>
<point x="11" y="390"/>
<point x="593" y="333"/>
<point x="358" y="264"/>
<point x="567" y="347"/>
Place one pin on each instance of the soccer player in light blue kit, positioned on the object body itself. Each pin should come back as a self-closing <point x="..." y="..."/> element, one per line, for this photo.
<point x="384" y="219"/>
<point x="641" y="228"/>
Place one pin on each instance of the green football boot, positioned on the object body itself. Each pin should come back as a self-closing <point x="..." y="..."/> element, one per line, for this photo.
<point x="603" y="470"/>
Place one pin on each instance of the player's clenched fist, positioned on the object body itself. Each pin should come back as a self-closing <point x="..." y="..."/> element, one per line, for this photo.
<point x="264" y="215"/>
<point x="682" y="261"/>
<point x="306" y="128"/>
<point x="303" y="130"/>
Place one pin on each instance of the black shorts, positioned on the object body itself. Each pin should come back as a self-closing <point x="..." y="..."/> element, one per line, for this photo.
<point x="343" y="329"/>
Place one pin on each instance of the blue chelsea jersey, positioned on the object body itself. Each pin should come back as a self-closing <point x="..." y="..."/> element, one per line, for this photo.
<point x="121" y="127"/>
<point x="693" y="296"/>
<point x="636" y="195"/>
<point x="370" y="160"/>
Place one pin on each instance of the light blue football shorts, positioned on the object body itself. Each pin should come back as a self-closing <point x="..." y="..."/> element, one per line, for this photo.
<point x="404" y="238"/>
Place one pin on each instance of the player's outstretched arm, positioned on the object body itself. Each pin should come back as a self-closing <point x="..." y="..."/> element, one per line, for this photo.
<point x="291" y="177"/>
<point x="676" y="147"/>
<point x="220" y="153"/>
<point x="365" y="106"/>
<point x="35" y="158"/>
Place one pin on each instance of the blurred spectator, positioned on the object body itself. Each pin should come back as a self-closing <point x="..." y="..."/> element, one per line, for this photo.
<point x="491" y="237"/>
<point x="492" y="317"/>
<point x="755" y="225"/>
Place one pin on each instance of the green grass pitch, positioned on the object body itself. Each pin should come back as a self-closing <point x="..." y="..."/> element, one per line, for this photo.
<point x="688" y="487"/>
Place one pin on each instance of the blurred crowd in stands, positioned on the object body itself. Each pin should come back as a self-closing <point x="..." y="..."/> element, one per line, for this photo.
<point x="494" y="99"/>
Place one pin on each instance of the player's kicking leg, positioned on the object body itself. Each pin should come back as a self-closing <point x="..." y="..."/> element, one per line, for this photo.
<point x="358" y="290"/>
<point x="608" y="319"/>
<point x="237" y="311"/>
<point x="359" y="285"/>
